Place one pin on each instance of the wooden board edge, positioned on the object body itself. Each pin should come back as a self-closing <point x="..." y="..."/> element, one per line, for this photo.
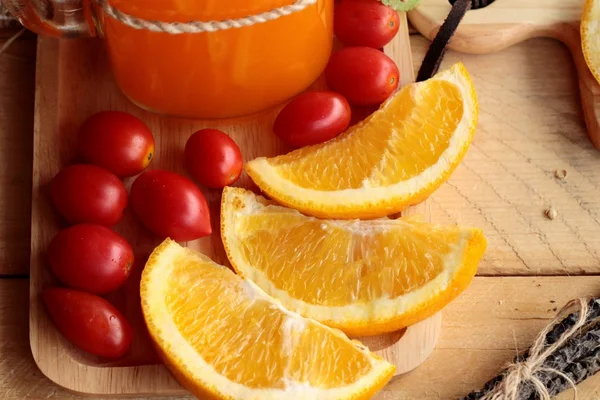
<point x="474" y="39"/>
<point x="425" y="334"/>
<point x="87" y="380"/>
<point x="589" y="89"/>
<point x="396" y="50"/>
<point x="496" y="26"/>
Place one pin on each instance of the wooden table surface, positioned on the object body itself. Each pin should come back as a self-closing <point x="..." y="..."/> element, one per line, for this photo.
<point x="530" y="126"/>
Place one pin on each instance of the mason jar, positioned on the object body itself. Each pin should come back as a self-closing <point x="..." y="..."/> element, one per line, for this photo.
<point x="198" y="58"/>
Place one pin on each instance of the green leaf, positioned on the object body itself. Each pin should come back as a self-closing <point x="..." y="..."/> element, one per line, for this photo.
<point x="401" y="5"/>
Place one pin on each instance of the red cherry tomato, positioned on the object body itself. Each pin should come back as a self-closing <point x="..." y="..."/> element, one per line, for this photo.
<point x="90" y="257"/>
<point x="89" y="322"/>
<point x="360" y="113"/>
<point x="363" y="75"/>
<point x="170" y="205"/>
<point x="87" y="193"/>
<point x="365" y="23"/>
<point x="312" y="117"/>
<point x="117" y="141"/>
<point x="213" y="158"/>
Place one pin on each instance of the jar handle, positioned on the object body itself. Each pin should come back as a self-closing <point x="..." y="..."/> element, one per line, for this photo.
<point x="55" y="18"/>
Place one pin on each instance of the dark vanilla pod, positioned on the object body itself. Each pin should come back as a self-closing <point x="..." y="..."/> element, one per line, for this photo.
<point x="569" y="359"/>
<point x="575" y="358"/>
<point x="439" y="44"/>
<point x="475" y="4"/>
<point x="578" y="371"/>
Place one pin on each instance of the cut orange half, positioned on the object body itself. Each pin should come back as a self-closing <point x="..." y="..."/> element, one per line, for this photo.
<point x="363" y="277"/>
<point x="395" y="158"/>
<point x="590" y="36"/>
<point x="224" y="338"/>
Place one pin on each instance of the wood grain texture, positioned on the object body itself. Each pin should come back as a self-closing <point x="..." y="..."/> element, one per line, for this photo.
<point x="482" y="330"/>
<point x="530" y="125"/>
<point x="499" y="25"/>
<point x="74" y="81"/>
<point x="507" y="22"/>
<point x="17" y="71"/>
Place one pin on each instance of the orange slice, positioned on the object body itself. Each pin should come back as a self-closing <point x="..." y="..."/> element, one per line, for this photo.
<point x="395" y="158"/>
<point x="224" y="338"/>
<point x="363" y="277"/>
<point x="590" y="36"/>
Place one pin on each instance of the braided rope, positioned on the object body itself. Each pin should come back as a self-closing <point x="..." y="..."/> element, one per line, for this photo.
<point x="176" y="28"/>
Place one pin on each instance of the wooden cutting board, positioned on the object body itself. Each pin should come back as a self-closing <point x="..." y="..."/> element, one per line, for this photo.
<point x="73" y="82"/>
<point x="507" y="22"/>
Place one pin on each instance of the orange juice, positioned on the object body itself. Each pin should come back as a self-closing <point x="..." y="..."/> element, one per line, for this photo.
<point x="218" y="74"/>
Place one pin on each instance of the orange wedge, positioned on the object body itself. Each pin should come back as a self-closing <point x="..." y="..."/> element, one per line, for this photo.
<point x="224" y="338"/>
<point x="363" y="277"/>
<point x="395" y="158"/>
<point x="590" y="36"/>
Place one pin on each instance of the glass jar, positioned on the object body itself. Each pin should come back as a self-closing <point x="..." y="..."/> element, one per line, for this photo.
<point x="256" y="54"/>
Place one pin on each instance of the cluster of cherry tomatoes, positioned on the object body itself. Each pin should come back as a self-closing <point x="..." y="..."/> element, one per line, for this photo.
<point x="92" y="260"/>
<point x="360" y="74"/>
<point x="88" y="257"/>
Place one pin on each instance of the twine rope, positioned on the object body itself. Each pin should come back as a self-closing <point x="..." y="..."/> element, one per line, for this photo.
<point x="176" y="28"/>
<point x="525" y="371"/>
